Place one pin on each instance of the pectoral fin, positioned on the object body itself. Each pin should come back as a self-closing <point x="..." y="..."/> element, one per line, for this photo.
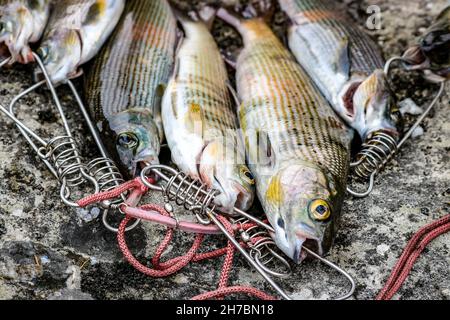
<point x="341" y="63"/>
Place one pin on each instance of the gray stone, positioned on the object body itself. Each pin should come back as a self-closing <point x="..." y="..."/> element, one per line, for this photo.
<point x="47" y="251"/>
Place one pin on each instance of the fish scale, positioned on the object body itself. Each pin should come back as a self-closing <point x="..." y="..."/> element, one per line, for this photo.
<point x="332" y="26"/>
<point x="298" y="149"/>
<point x="200" y="122"/>
<point x="293" y="104"/>
<point x="203" y="84"/>
<point x="125" y="85"/>
<point x="345" y="64"/>
<point x="120" y="80"/>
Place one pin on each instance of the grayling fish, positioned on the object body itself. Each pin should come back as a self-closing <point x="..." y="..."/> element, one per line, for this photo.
<point x="297" y="147"/>
<point x="22" y="23"/>
<point x="76" y="31"/>
<point x="125" y="85"/>
<point x="200" y="121"/>
<point x="344" y="63"/>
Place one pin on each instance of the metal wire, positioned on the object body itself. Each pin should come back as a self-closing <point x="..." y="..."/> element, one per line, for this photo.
<point x="195" y="197"/>
<point x="381" y="148"/>
<point x="60" y="154"/>
<point x="104" y="169"/>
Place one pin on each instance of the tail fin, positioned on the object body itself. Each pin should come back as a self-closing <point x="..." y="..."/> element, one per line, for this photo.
<point x="206" y="14"/>
<point x="262" y="9"/>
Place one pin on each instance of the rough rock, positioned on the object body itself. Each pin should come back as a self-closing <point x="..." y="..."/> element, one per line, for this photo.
<point x="48" y="251"/>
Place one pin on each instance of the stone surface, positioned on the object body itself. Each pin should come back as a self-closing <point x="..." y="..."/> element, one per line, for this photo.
<point x="48" y="251"/>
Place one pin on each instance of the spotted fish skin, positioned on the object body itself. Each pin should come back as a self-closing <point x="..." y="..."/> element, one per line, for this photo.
<point x="297" y="147"/>
<point x="22" y="23"/>
<point x="76" y="31"/>
<point x="200" y="120"/>
<point x="125" y="84"/>
<point x="342" y="59"/>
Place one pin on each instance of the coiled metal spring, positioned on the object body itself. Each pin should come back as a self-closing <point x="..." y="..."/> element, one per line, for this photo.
<point x="106" y="173"/>
<point x="382" y="147"/>
<point x="375" y="154"/>
<point x="63" y="155"/>
<point x="195" y="196"/>
<point x="262" y="248"/>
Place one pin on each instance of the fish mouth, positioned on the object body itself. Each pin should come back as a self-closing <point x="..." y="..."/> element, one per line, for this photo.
<point x="141" y="162"/>
<point x="305" y="239"/>
<point x="244" y="197"/>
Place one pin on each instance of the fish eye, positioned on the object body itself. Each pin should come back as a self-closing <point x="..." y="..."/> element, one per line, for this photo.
<point x="128" y="140"/>
<point x="247" y="175"/>
<point x="43" y="52"/>
<point x="320" y="210"/>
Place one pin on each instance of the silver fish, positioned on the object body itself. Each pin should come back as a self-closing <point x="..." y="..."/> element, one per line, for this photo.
<point x="344" y="63"/>
<point x="76" y="32"/>
<point x="22" y="23"/>
<point x="200" y="123"/>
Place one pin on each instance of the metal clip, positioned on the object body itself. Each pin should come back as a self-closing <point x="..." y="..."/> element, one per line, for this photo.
<point x="381" y="147"/>
<point x="103" y="169"/>
<point x="194" y="196"/>
<point x="60" y="154"/>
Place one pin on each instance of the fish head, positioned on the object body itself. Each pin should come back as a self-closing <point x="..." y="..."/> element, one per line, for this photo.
<point x="435" y="45"/>
<point x="303" y="205"/>
<point x="61" y="55"/>
<point x="137" y="140"/>
<point x="16" y="29"/>
<point x="225" y="170"/>
<point x="375" y="108"/>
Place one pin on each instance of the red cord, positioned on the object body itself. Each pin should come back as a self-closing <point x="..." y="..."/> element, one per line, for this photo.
<point x="410" y="255"/>
<point x="172" y="266"/>
<point x="163" y="269"/>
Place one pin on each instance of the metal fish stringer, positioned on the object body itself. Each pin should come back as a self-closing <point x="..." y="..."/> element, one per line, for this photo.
<point x="378" y="151"/>
<point x="196" y="198"/>
<point x="60" y="154"/>
<point x="103" y="169"/>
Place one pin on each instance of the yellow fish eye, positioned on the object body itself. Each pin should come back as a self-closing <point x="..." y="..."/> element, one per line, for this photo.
<point x="320" y="210"/>
<point x="247" y="175"/>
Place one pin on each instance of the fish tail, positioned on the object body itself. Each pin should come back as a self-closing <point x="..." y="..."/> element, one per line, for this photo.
<point x="207" y="15"/>
<point x="255" y="9"/>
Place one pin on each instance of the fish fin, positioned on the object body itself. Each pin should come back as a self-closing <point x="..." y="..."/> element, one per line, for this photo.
<point x="194" y="119"/>
<point x="274" y="193"/>
<point x="156" y="112"/>
<point x="342" y="62"/>
<point x="234" y="94"/>
<point x="229" y="17"/>
<point x="207" y="14"/>
<point x="262" y="9"/>
<point x="230" y="58"/>
<point x="78" y="73"/>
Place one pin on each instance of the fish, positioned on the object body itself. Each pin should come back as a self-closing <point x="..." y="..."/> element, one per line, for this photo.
<point x="125" y="84"/>
<point x="22" y="23"/>
<point x="76" y="31"/>
<point x="298" y="149"/>
<point x="200" y="119"/>
<point x="432" y="52"/>
<point x="345" y="64"/>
